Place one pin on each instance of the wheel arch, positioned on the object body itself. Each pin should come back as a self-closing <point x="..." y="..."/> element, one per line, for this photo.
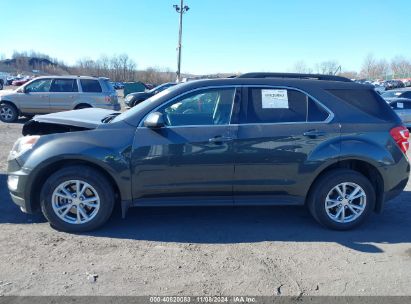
<point x="82" y="104"/>
<point x="40" y="177"/>
<point x="10" y="103"/>
<point x="364" y="167"/>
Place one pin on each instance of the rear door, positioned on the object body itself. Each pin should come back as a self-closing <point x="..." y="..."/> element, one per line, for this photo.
<point x="63" y="93"/>
<point x="92" y="92"/>
<point x="279" y="130"/>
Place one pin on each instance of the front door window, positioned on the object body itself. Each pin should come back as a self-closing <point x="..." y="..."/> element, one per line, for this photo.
<point x="208" y="107"/>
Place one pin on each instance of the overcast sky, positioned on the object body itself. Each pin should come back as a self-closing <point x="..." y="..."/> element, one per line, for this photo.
<point x="219" y="35"/>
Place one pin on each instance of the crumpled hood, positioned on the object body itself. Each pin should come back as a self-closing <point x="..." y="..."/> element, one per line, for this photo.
<point x="84" y="118"/>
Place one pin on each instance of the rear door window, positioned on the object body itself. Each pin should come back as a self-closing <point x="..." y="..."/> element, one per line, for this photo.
<point x="90" y="86"/>
<point x="277" y="105"/>
<point x="64" y="85"/>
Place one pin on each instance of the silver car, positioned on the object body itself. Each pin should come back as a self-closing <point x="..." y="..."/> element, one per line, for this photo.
<point x="57" y="93"/>
<point x="402" y="106"/>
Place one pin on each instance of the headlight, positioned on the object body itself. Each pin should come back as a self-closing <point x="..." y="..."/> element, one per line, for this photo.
<point x="12" y="182"/>
<point x="22" y="145"/>
<point x="129" y="97"/>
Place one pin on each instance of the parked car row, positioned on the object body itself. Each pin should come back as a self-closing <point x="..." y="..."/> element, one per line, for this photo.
<point x="133" y="99"/>
<point x="117" y="85"/>
<point x="396" y="93"/>
<point x="60" y="93"/>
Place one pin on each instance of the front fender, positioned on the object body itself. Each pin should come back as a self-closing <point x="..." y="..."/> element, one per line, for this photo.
<point x="105" y="150"/>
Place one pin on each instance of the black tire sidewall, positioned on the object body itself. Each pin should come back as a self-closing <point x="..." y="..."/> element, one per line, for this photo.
<point x="92" y="177"/>
<point x="14" y="110"/>
<point x="329" y="181"/>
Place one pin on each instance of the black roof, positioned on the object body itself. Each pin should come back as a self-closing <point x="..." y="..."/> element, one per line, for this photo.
<point x="295" y="75"/>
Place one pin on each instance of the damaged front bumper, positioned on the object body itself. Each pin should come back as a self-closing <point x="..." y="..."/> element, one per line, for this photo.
<point x="16" y="182"/>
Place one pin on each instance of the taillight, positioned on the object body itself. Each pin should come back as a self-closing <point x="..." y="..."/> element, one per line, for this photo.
<point x="401" y="136"/>
<point x="108" y="99"/>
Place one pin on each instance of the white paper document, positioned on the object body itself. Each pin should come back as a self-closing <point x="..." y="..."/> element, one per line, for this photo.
<point x="274" y="99"/>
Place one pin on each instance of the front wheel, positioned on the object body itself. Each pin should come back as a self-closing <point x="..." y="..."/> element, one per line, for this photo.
<point x="77" y="199"/>
<point x="341" y="199"/>
<point x="8" y="112"/>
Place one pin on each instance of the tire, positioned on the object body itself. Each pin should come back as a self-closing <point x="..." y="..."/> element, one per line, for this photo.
<point x="1" y="85"/>
<point x="8" y="112"/>
<point x="50" y="201"/>
<point x="324" y="189"/>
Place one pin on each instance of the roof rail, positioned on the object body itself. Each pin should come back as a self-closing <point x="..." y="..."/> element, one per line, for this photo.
<point x="295" y="75"/>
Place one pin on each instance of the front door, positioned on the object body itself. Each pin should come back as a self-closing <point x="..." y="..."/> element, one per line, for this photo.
<point x="280" y="130"/>
<point x="190" y="160"/>
<point x="35" y="98"/>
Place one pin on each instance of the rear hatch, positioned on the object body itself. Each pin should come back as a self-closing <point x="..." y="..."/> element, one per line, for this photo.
<point x="111" y="93"/>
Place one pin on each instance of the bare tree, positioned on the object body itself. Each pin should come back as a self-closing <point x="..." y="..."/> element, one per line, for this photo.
<point x="373" y="68"/>
<point x="301" y="67"/>
<point x="401" y="67"/>
<point x="327" y="67"/>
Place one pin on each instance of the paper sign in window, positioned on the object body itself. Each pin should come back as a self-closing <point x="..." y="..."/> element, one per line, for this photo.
<point x="400" y="105"/>
<point x="274" y="99"/>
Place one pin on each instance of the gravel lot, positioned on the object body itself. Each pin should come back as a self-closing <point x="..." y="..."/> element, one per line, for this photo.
<point x="203" y="251"/>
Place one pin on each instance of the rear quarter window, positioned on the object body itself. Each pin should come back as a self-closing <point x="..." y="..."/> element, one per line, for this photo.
<point x="367" y="101"/>
<point x="90" y="86"/>
<point x="108" y="86"/>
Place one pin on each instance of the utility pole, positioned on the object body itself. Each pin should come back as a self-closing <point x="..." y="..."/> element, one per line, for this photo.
<point x="181" y="10"/>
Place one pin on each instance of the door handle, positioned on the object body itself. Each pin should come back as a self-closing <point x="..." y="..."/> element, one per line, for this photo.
<point x="314" y="133"/>
<point x="220" y="139"/>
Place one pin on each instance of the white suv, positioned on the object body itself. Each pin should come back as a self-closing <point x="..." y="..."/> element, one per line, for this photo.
<point x="57" y="93"/>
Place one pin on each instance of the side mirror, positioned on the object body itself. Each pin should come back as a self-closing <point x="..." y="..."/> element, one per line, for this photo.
<point x="154" y="120"/>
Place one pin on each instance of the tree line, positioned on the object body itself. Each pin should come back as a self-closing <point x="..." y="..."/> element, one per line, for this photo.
<point x="372" y="68"/>
<point x="119" y="68"/>
<point x="123" y="68"/>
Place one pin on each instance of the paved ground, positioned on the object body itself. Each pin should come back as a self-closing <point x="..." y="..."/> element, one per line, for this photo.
<point x="203" y="251"/>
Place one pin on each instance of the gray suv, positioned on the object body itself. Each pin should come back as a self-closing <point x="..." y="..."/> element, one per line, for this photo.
<point x="260" y="139"/>
<point x="58" y="93"/>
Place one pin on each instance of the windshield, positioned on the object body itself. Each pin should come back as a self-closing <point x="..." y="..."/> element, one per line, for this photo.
<point x="143" y="104"/>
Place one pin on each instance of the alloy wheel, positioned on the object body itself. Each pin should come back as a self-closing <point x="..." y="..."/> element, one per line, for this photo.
<point x="75" y="202"/>
<point x="345" y="202"/>
<point x="6" y="113"/>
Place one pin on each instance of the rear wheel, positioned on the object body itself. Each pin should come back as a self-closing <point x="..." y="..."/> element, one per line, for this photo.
<point x="341" y="199"/>
<point x="1" y="85"/>
<point x="8" y="112"/>
<point x="77" y="199"/>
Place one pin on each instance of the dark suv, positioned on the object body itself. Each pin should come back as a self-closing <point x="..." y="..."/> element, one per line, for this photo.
<point x="258" y="139"/>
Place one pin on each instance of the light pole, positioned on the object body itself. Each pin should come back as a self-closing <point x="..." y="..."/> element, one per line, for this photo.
<point x="181" y="10"/>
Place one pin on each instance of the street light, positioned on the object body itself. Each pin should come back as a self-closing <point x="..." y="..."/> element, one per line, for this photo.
<point x="181" y="10"/>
